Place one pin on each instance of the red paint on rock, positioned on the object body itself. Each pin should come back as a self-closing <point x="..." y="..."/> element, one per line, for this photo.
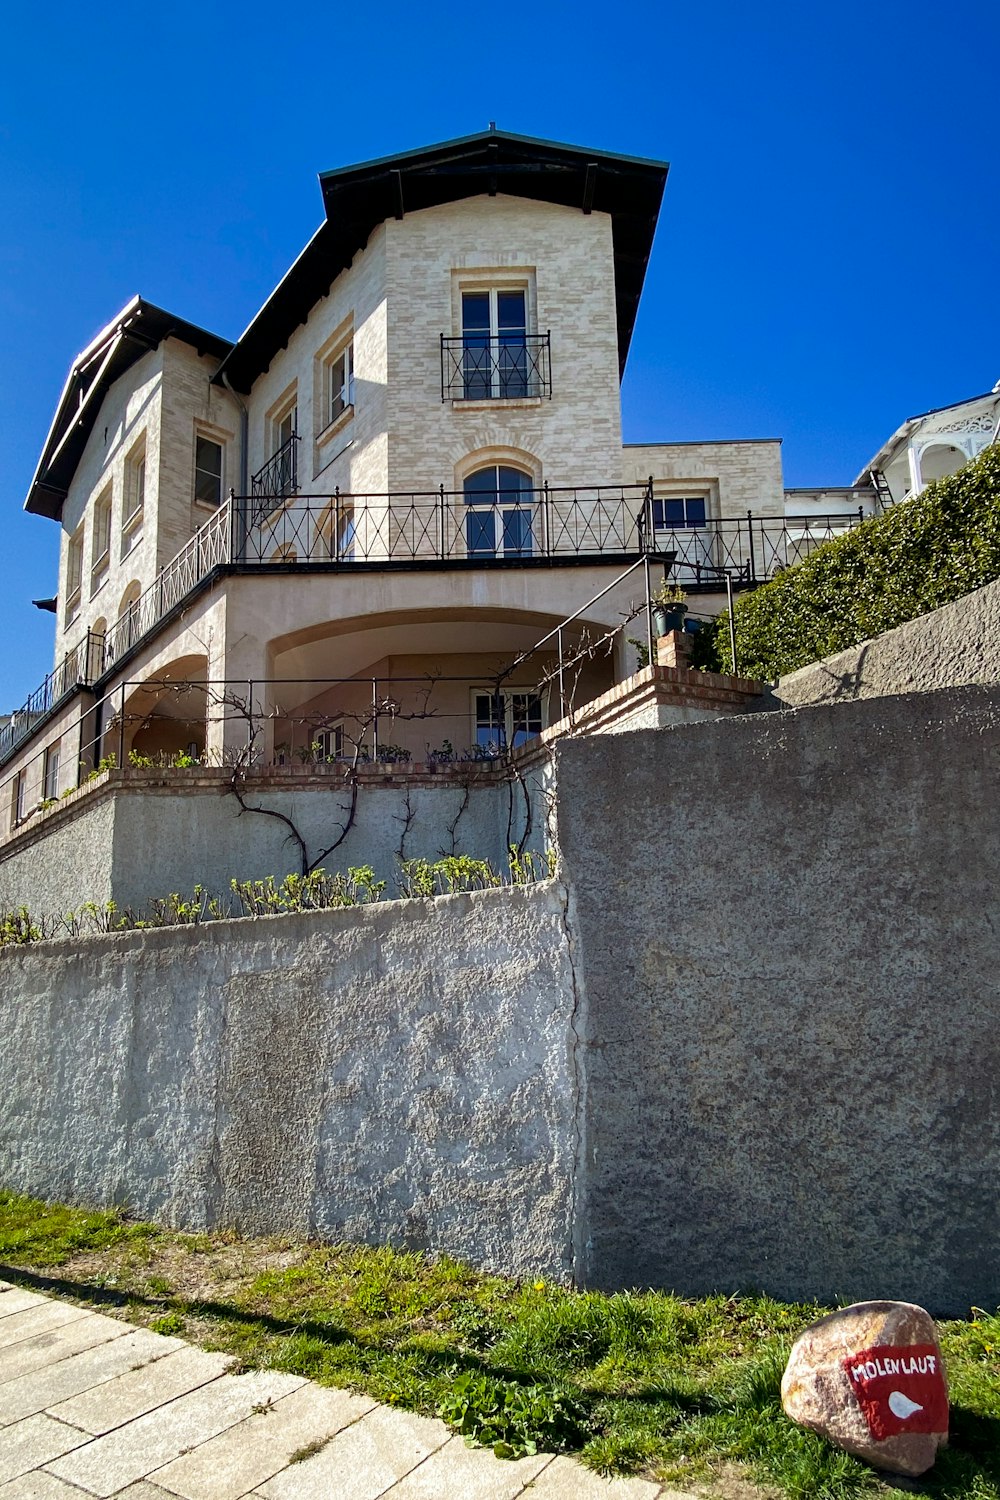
<point x="899" y="1389"/>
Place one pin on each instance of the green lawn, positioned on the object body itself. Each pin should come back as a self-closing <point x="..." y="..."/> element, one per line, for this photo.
<point x="639" y="1382"/>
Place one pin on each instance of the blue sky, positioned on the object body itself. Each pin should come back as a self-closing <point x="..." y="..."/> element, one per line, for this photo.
<point x="826" y="258"/>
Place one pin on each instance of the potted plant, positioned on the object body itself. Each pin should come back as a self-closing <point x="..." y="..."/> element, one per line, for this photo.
<point x="669" y="606"/>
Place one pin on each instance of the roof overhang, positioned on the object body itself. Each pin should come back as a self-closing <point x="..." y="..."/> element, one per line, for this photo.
<point x="139" y="328"/>
<point x="890" y="449"/>
<point x="357" y="199"/>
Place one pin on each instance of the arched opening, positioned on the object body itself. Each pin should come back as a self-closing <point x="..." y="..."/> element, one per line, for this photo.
<point x="166" y="717"/>
<point x="500" y="512"/>
<point x="938" y="460"/>
<point x="285" y="552"/>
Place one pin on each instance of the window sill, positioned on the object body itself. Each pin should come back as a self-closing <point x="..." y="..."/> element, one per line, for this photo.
<point x="334" y="428"/>
<point x="490" y="403"/>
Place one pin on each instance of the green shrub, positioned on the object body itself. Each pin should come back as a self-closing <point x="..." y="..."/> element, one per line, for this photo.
<point x="893" y="568"/>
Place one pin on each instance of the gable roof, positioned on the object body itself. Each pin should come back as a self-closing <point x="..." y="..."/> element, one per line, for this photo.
<point x="906" y="429"/>
<point x="358" y="198"/>
<point x="137" y="329"/>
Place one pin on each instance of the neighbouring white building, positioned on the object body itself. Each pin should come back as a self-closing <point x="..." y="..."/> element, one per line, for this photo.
<point x="932" y="446"/>
<point x="403" y="475"/>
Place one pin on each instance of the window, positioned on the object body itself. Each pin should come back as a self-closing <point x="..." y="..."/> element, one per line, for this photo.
<point x="74" y="574"/>
<point x="51" y="787"/>
<point x="494" y="344"/>
<point x="330" y="742"/>
<point x="506" y="720"/>
<point x="499" y="518"/>
<point x="135" y="498"/>
<point x="340" y="377"/>
<point x="207" y="471"/>
<point x="100" y="551"/>
<point x="19" y="798"/>
<point x="680" y="513"/>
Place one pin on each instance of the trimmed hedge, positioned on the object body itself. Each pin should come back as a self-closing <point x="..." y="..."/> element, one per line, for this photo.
<point x="917" y="556"/>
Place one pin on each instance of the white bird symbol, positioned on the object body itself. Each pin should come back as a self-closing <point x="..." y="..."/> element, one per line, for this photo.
<point x="902" y="1407"/>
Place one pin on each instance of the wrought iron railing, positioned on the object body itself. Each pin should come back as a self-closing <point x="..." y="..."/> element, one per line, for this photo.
<point x="79" y="667"/>
<point x="208" y="548"/>
<point x="603" y="522"/>
<point x="476" y="367"/>
<point x="279" y="477"/>
<point x="584" y="520"/>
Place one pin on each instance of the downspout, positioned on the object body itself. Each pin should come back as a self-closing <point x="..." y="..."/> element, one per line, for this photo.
<point x="239" y="525"/>
<point x="244" y="431"/>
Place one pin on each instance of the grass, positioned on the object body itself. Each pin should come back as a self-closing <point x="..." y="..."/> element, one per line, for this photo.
<point x="639" y="1382"/>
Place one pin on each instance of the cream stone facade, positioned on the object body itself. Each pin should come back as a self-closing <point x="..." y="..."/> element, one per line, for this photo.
<point x="390" y="513"/>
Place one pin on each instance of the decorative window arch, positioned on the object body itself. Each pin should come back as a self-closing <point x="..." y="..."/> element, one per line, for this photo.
<point x="500" y="512"/>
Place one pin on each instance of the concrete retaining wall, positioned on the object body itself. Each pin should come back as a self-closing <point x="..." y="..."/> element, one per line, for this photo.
<point x="955" y="645"/>
<point x="754" y="1041"/>
<point x="134" y="841"/>
<point x="401" y="1071"/>
<point x="786" y="933"/>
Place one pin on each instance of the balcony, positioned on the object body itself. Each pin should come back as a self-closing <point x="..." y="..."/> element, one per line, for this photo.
<point x="326" y="533"/>
<point x="511" y="367"/>
<point x="279" y="477"/>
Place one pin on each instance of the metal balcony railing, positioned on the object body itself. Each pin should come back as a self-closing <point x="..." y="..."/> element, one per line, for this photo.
<point x="476" y="367"/>
<point x="79" y="667"/>
<point x="279" y="477"/>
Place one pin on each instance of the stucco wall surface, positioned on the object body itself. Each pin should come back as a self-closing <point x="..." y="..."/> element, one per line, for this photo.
<point x="954" y="645"/>
<point x="785" y="927"/>
<point x="135" y="845"/>
<point x="399" y="1071"/>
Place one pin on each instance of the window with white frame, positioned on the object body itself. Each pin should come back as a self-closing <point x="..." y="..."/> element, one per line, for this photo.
<point x="505" y="720"/>
<point x="495" y="359"/>
<point x="100" y="550"/>
<point x="19" y="798"/>
<point x="208" y="456"/>
<point x="679" y="512"/>
<point x="135" y="497"/>
<point x="340" y="383"/>
<point x="500" y="513"/>
<point x="51" y="774"/>
<point x="74" y="574"/>
<point x="330" y="742"/>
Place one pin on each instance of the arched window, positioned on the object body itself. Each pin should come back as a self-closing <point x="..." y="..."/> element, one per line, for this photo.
<point x="500" y="514"/>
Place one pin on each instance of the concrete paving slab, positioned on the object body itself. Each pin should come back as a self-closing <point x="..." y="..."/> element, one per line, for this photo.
<point x="244" y="1456"/>
<point x="43" y="1388"/>
<point x="363" y="1461"/>
<point x="49" y="1347"/>
<point x="128" y="1396"/>
<point x="471" y="1473"/>
<point x="29" y="1444"/>
<point x="112" y="1462"/>
<point x="144" y="1490"/>
<point x="39" y="1486"/>
<point x="15" y="1299"/>
<point x="34" y="1320"/>
<point x="141" y="1491"/>
<point x="565" y="1479"/>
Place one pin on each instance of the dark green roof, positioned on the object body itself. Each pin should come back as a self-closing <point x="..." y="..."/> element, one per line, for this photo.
<point x="358" y="198"/>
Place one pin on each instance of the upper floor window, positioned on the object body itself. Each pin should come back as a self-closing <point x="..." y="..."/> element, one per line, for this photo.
<point x="51" y="774"/>
<point x="74" y="574"/>
<point x="100" y="551"/>
<point x="494" y="344"/>
<point x="135" y="497"/>
<point x="279" y="477"/>
<point x="20" y="798"/>
<point x="679" y="513"/>
<point x="207" y="470"/>
<point x="500" y="512"/>
<point x="497" y="356"/>
<point x="340" y="383"/>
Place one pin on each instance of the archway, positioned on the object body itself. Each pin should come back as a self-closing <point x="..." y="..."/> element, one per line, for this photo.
<point x="938" y="460"/>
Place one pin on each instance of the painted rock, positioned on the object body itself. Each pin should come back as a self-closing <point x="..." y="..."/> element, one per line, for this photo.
<point x="871" y="1379"/>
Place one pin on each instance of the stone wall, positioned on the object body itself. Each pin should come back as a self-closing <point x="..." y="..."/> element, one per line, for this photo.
<point x="959" y="643"/>
<point x="752" y="1041"/>
<point x="399" y="1071"/>
<point x="785" y="930"/>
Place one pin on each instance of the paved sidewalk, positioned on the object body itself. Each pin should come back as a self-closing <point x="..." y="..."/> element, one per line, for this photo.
<point x="90" y="1405"/>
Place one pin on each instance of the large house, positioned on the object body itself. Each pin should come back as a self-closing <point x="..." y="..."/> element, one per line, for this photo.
<point x="407" y="473"/>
